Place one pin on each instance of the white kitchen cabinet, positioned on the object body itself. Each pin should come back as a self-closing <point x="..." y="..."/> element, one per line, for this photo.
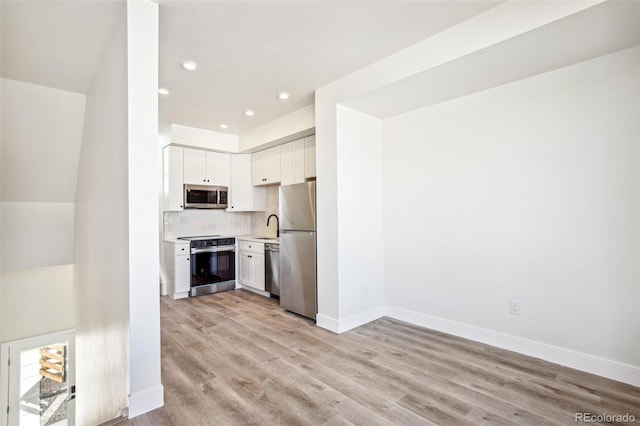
<point x="206" y="167"/>
<point x="292" y="162"/>
<point x="172" y="171"/>
<point x="310" y="156"/>
<point x="182" y="275"/>
<point x="251" y="264"/>
<point x="177" y="267"/>
<point x="242" y="195"/>
<point x="265" y="167"/>
<point x="218" y="168"/>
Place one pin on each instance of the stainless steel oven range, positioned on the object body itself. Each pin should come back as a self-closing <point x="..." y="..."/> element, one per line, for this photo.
<point x="213" y="264"/>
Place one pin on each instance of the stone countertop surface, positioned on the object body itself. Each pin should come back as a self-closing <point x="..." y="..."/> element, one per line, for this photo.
<point x="259" y="239"/>
<point x="254" y="238"/>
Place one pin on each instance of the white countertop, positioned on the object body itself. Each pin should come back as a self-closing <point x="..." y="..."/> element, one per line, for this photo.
<point x="258" y="239"/>
<point x="254" y="238"/>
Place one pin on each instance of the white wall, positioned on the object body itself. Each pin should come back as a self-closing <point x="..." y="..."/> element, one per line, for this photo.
<point x="102" y="241"/>
<point x="117" y="267"/>
<point x="41" y="136"/>
<point x="500" y="23"/>
<point x="36" y="301"/>
<point x="198" y="138"/>
<point x="287" y="128"/>
<point x="327" y="211"/>
<point x="360" y="220"/>
<point x="529" y="192"/>
<point x="37" y="234"/>
<point x="146" y="392"/>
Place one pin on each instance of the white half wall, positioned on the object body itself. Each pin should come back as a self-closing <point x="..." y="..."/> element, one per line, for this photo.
<point x="527" y="192"/>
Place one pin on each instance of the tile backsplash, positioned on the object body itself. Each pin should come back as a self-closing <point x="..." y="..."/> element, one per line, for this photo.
<point x="195" y="222"/>
<point x="259" y="219"/>
<point x="189" y="223"/>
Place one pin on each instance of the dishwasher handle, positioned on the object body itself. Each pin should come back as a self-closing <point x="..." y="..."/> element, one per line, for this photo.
<point x="272" y="247"/>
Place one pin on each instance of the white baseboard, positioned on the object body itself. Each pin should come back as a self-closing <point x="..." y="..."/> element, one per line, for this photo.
<point x="327" y="323"/>
<point x="350" y="322"/>
<point x="253" y="290"/>
<point x="580" y="361"/>
<point x="145" y="401"/>
<point x="356" y="320"/>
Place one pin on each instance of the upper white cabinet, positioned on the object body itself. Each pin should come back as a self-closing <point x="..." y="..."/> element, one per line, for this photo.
<point x="172" y="171"/>
<point x="265" y="166"/>
<point x="206" y="168"/>
<point x="292" y="162"/>
<point x="242" y="195"/>
<point x="310" y="156"/>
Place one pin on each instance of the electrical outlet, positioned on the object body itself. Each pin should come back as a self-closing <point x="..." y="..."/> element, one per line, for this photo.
<point x="514" y="307"/>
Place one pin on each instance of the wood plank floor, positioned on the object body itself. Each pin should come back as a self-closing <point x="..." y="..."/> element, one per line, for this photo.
<point x="236" y="358"/>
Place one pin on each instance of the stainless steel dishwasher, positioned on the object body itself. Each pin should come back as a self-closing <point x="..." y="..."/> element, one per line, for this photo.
<point x="272" y="268"/>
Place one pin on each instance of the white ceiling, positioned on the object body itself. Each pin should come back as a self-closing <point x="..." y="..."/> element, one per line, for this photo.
<point x="599" y="30"/>
<point x="248" y="51"/>
<point x="55" y="43"/>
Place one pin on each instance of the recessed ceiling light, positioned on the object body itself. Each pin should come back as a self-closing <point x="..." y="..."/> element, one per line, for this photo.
<point x="163" y="91"/>
<point x="283" y="95"/>
<point x="224" y="126"/>
<point x="249" y="113"/>
<point x="189" y="65"/>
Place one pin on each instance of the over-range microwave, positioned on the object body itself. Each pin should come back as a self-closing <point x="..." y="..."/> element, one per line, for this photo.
<point x="205" y="197"/>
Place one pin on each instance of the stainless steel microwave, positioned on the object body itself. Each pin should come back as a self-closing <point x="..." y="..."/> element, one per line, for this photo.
<point x="205" y="197"/>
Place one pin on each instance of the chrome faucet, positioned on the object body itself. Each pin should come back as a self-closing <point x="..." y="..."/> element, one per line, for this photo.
<point x="277" y="224"/>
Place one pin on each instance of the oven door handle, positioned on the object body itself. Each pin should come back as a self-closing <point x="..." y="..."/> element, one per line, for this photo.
<point x="217" y="249"/>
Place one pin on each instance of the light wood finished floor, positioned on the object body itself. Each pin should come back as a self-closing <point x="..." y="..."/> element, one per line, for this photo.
<point x="238" y="358"/>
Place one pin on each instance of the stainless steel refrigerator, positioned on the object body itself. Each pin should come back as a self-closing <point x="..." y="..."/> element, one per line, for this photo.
<point x="298" y="248"/>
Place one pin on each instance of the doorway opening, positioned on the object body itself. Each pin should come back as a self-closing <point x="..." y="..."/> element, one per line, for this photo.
<point x="38" y="380"/>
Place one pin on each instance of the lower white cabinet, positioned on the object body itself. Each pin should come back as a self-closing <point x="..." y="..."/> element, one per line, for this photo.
<point x="177" y="266"/>
<point x="251" y="264"/>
